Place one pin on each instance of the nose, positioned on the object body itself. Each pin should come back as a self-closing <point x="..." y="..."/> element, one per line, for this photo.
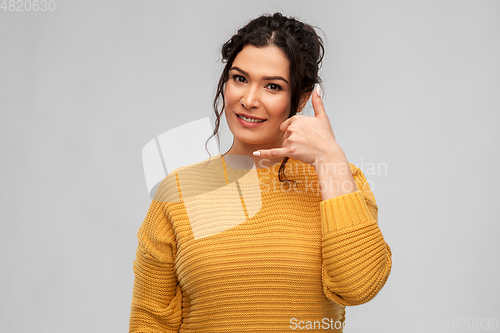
<point x="250" y="98"/>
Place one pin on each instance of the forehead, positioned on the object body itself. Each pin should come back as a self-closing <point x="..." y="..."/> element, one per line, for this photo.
<point x="263" y="61"/>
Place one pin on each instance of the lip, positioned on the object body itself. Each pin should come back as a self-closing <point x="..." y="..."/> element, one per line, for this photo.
<point x="246" y="123"/>
<point x="248" y="116"/>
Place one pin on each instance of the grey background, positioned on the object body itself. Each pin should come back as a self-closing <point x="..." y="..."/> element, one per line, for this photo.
<point x="412" y="85"/>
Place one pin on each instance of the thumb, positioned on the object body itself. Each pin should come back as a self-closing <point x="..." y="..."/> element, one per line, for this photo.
<point x="317" y="103"/>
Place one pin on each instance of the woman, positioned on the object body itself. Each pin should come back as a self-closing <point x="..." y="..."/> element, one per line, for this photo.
<point x="226" y="248"/>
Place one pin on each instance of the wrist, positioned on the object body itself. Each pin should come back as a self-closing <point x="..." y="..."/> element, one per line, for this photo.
<point x="333" y="159"/>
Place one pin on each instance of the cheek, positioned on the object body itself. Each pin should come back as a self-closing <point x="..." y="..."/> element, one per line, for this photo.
<point x="230" y="94"/>
<point x="279" y="107"/>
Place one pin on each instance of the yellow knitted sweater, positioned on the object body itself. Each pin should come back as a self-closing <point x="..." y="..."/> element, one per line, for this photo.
<point x="225" y="249"/>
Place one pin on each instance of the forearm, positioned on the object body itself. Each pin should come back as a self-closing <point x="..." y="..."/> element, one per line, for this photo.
<point x="357" y="262"/>
<point x="356" y="258"/>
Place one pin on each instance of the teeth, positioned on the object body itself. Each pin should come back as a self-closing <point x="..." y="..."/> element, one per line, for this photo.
<point x="251" y="120"/>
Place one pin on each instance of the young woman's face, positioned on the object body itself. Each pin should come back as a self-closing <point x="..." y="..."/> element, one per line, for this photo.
<point x="258" y="87"/>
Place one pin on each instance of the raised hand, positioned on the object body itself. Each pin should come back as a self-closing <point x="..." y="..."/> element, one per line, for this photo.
<point x="307" y="139"/>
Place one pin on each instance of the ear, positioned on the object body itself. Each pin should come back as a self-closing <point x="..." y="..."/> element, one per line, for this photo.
<point x="303" y="100"/>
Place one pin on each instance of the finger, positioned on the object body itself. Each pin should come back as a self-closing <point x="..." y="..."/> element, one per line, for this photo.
<point x="271" y="153"/>
<point x="286" y="135"/>
<point x="284" y="125"/>
<point x="317" y="103"/>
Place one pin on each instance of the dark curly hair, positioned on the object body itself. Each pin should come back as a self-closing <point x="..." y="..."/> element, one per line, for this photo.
<point x="298" y="41"/>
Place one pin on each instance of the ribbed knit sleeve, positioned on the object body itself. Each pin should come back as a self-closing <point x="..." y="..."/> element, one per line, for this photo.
<point x="157" y="297"/>
<point x="356" y="258"/>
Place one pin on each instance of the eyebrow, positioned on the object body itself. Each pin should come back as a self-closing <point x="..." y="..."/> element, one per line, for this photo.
<point x="265" y="77"/>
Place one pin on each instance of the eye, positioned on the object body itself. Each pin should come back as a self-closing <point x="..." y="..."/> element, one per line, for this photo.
<point x="238" y="78"/>
<point x="274" y="86"/>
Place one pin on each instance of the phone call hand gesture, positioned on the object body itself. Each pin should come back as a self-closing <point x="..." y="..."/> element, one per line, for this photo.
<point x="307" y="139"/>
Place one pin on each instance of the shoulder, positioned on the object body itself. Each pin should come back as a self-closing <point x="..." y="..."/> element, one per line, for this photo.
<point x="167" y="190"/>
<point x="355" y="170"/>
<point x="188" y="180"/>
<point x="362" y="184"/>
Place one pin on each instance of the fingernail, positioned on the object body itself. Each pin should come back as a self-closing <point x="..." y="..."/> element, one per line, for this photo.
<point x="256" y="153"/>
<point x="318" y="90"/>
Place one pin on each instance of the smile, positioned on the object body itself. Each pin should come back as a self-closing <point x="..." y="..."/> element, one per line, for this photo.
<point x="251" y="120"/>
